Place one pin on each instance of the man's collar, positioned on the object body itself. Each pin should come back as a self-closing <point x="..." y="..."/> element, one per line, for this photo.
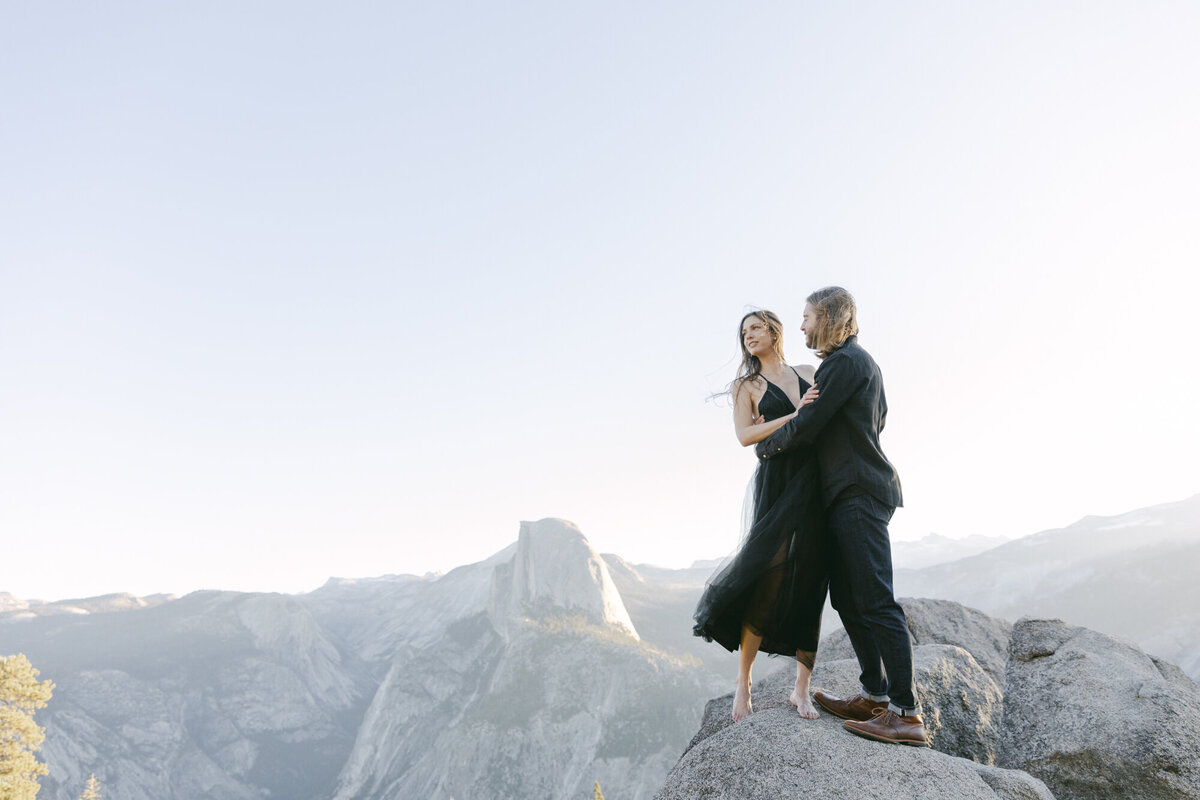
<point x="851" y="339"/>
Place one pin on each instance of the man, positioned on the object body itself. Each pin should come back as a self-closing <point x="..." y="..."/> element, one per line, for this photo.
<point x="860" y="490"/>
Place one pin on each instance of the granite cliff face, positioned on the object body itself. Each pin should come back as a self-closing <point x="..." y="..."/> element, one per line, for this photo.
<point x="556" y="570"/>
<point x="539" y="693"/>
<point x="212" y="695"/>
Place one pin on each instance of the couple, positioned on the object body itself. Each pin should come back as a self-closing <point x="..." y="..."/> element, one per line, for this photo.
<point x="822" y="498"/>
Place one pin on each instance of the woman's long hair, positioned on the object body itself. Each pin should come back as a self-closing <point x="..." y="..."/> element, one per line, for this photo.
<point x="751" y="366"/>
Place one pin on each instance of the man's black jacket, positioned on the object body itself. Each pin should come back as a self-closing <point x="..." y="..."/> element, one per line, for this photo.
<point x="844" y="425"/>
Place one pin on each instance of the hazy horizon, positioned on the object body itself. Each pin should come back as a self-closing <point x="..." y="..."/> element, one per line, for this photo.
<point x="998" y="541"/>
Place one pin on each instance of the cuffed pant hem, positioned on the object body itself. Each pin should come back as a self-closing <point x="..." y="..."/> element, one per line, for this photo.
<point x="904" y="712"/>
<point x="878" y="698"/>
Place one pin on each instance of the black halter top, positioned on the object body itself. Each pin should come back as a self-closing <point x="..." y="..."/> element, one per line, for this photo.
<point x="775" y="402"/>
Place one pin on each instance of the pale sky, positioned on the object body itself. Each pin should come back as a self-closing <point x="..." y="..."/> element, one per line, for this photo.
<point x="293" y="290"/>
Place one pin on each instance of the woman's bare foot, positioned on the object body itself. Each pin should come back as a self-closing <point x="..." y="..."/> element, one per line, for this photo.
<point x="741" y="702"/>
<point x="803" y="703"/>
<point x="800" y="698"/>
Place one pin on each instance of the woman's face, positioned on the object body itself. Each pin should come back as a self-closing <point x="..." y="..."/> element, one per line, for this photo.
<point x="756" y="336"/>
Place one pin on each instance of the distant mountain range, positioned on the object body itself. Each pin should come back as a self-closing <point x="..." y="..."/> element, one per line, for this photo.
<point x="524" y="675"/>
<point x="1131" y="575"/>
<point x="935" y="549"/>
<point x="15" y="608"/>
<point x="531" y="674"/>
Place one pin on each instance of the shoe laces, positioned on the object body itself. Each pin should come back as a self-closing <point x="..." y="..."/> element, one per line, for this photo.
<point x="885" y="716"/>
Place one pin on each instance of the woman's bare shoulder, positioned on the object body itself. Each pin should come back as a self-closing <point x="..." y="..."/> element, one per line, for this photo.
<point x="755" y="387"/>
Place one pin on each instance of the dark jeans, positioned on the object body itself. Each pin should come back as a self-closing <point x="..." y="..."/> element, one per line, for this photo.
<point x="860" y="588"/>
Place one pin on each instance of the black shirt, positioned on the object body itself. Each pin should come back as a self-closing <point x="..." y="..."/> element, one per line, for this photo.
<point x="843" y="425"/>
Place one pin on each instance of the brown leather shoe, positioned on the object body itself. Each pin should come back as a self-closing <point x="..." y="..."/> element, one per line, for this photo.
<point x="891" y="727"/>
<point x="859" y="708"/>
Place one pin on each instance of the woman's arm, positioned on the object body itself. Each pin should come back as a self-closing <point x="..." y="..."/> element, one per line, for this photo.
<point x="755" y="433"/>
<point x="748" y="429"/>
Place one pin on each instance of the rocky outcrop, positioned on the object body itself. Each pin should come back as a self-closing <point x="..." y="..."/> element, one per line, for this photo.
<point x="942" y="622"/>
<point x="962" y="704"/>
<point x="1083" y="715"/>
<point x="775" y="753"/>
<point x="1095" y="717"/>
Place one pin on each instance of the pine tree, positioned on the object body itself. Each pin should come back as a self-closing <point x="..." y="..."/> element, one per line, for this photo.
<point x="20" y="737"/>
<point x="92" y="790"/>
<point x="596" y="793"/>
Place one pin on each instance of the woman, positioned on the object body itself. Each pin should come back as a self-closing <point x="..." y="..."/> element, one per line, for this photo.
<point x="769" y="597"/>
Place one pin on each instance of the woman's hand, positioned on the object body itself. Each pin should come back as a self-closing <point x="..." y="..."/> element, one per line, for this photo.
<point x="810" y="397"/>
<point x="752" y="428"/>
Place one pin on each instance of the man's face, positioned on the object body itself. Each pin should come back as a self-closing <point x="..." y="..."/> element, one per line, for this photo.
<point x="811" y="325"/>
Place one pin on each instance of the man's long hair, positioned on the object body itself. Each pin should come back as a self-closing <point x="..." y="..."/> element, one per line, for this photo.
<point x="836" y="319"/>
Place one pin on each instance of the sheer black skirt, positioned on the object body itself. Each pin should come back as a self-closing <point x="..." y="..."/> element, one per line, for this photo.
<point x="777" y="581"/>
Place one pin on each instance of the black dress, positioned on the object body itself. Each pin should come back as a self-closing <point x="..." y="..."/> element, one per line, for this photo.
<point x="777" y="582"/>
